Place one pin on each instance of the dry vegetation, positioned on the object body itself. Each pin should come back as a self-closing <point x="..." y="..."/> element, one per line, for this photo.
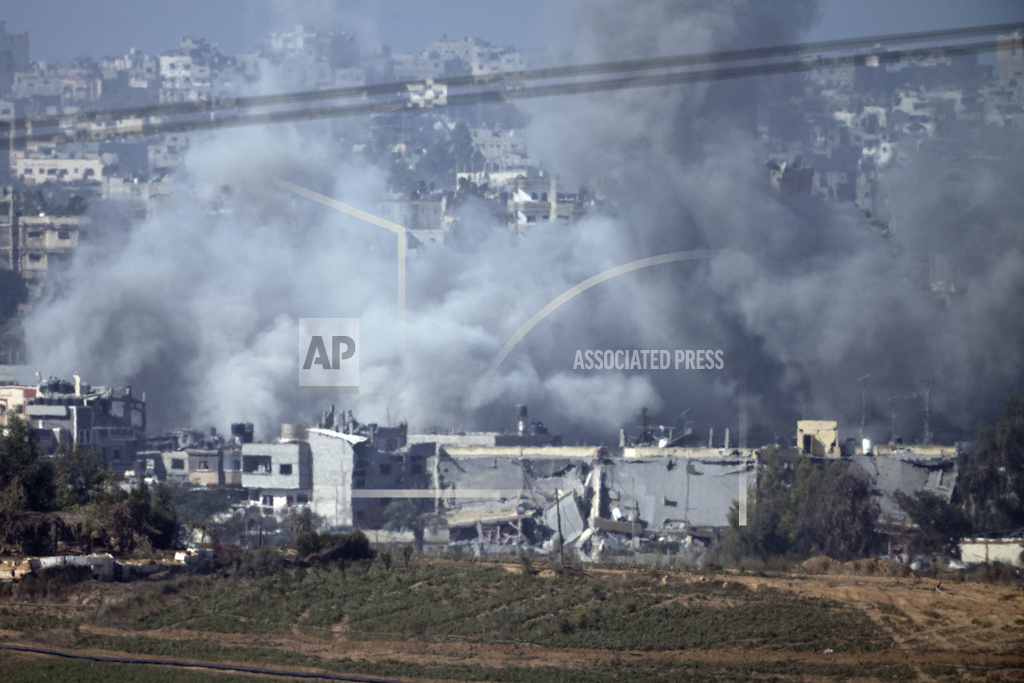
<point x="463" y="620"/>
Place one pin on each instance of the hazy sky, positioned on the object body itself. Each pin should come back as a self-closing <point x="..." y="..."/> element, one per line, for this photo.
<point x="63" y="29"/>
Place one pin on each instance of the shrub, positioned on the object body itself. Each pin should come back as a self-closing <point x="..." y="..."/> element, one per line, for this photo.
<point x="342" y="547"/>
<point x="259" y="563"/>
<point x="308" y="543"/>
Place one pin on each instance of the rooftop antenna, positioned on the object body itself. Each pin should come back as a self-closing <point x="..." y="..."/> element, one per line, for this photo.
<point x="743" y="419"/>
<point x="892" y="407"/>
<point x="863" y="402"/>
<point x="645" y="438"/>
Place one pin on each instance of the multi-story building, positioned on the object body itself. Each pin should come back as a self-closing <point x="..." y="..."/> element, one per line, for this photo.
<point x="279" y="475"/>
<point x="44" y="244"/>
<point x="13" y="56"/>
<point x="184" y="78"/>
<point x="13" y="399"/>
<point x="538" y="199"/>
<point x="79" y="83"/>
<point x="34" y="168"/>
<point x="110" y="421"/>
<point x="37" y="80"/>
<point x="8" y="230"/>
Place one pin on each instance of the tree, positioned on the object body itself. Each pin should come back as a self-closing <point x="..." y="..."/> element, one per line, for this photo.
<point x="462" y="147"/>
<point x="139" y="518"/>
<point x="26" y="477"/>
<point x="940" y="523"/>
<point x="837" y="511"/>
<point x="80" y="474"/>
<point x="991" y="475"/>
<point x="809" y="508"/>
<point x="769" y="515"/>
<point x="13" y="291"/>
<point x="33" y="482"/>
<point x="302" y="534"/>
<point x="77" y="205"/>
<point x="407" y="514"/>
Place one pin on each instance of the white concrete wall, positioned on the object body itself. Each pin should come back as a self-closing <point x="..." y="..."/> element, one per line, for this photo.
<point x="1007" y="551"/>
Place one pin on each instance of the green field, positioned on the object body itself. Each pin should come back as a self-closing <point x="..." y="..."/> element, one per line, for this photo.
<point x="486" y="603"/>
<point x="624" y="612"/>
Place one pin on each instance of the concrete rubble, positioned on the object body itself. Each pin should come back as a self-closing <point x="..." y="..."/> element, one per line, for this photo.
<point x="104" y="567"/>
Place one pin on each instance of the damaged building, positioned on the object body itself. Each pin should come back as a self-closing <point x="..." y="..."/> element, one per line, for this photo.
<point x="512" y="491"/>
<point x="279" y="475"/>
<point x="504" y="498"/>
<point x="110" y="421"/>
<point x="190" y="456"/>
<point x="909" y="470"/>
<point x="360" y="468"/>
<point x="533" y="199"/>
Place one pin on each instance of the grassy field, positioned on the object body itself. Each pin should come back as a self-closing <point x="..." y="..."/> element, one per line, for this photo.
<point x="31" y="670"/>
<point x="480" y="621"/>
<point x="487" y="603"/>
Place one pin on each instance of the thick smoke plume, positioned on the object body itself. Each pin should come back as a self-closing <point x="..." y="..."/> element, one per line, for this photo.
<point x="200" y="306"/>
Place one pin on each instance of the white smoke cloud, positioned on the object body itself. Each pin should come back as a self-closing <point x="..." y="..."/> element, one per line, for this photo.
<point x="200" y="307"/>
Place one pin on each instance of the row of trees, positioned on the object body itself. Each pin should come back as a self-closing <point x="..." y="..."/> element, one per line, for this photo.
<point x="806" y="507"/>
<point x="73" y="497"/>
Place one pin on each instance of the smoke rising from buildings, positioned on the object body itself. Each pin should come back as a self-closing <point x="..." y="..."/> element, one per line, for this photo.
<point x="199" y="306"/>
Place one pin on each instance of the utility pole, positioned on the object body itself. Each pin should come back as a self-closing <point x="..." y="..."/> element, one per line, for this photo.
<point x="927" y="436"/>
<point x="558" y="516"/>
<point x="636" y="514"/>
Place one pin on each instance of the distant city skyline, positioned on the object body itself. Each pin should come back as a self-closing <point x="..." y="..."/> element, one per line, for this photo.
<point x="61" y="30"/>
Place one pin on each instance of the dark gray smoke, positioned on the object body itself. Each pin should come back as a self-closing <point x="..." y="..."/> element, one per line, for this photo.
<point x="200" y="308"/>
<point x="821" y="298"/>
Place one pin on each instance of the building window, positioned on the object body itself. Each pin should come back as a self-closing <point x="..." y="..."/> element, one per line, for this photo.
<point x="302" y="499"/>
<point x="203" y="465"/>
<point x="64" y="234"/>
<point x="177" y="464"/>
<point x="117" y="454"/>
<point x="385" y="468"/>
<point x="285" y="469"/>
<point x="268" y="500"/>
